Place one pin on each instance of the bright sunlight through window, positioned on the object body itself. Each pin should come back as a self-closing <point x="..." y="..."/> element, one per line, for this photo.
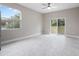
<point x="10" y="18"/>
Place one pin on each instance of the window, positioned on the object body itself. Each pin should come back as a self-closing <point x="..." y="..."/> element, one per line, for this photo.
<point x="10" y="18"/>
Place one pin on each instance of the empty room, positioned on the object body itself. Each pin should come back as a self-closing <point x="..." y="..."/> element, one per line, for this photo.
<point x="39" y="29"/>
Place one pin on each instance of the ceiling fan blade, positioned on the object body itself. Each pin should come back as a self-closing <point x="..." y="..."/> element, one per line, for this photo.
<point x="44" y="8"/>
<point x="52" y="4"/>
<point x="45" y="4"/>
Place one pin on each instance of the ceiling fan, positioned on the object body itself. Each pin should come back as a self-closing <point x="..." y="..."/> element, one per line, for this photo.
<point x="48" y="5"/>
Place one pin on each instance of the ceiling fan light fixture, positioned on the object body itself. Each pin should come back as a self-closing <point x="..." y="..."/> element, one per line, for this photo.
<point x="49" y="8"/>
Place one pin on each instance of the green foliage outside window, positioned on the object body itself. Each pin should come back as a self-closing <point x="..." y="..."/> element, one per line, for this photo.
<point x="10" y="17"/>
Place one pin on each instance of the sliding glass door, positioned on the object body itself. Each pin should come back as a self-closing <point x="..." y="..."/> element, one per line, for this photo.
<point x="57" y="26"/>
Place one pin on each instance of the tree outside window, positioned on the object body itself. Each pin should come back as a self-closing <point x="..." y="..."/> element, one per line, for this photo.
<point x="10" y="18"/>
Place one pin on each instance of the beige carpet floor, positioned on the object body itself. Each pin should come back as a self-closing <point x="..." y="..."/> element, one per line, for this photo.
<point x="43" y="45"/>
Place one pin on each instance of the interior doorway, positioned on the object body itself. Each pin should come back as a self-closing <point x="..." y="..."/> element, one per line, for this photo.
<point x="58" y="26"/>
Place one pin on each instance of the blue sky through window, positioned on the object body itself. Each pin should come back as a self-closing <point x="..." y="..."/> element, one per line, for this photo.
<point x="7" y="12"/>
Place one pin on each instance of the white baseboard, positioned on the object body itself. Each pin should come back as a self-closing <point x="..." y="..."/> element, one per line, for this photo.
<point x="72" y="35"/>
<point x="20" y="38"/>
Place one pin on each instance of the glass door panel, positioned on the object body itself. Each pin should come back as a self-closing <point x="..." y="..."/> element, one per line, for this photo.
<point x="54" y="26"/>
<point x="61" y="26"/>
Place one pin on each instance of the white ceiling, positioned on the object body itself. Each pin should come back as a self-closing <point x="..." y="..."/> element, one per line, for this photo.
<point x="59" y="6"/>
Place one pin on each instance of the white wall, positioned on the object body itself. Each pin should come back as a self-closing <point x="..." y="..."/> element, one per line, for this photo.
<point x="72" y="20"/>
<point x="31" y="23"/>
